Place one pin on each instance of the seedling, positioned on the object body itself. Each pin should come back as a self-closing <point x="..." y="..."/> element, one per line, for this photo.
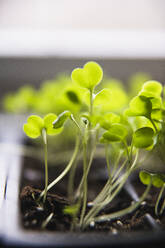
<point x="122" y="136"/>
<point x="158" y="181"/>
<point x="36" y="127"/>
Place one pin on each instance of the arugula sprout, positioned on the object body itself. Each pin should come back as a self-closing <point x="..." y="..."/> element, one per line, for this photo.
<point x="36" y="127"/>
<point x="101" y="119"/>
<point x="158" y="181"/>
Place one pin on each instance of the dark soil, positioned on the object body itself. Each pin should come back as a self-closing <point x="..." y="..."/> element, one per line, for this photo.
<point x="35" y="214"/>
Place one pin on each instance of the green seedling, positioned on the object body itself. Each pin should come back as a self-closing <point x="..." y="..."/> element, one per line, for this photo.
<point x="158" y="181"/>
<point x="36" y="127"/>
<point x="103" y="127"/>
<point x="143" y="137"/>
<point x="147" y="101"/>
<point x="73" y="211"/>
<point x="57" y="124"/>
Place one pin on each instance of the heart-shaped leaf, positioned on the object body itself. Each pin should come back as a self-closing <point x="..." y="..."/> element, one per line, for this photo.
<point x="33" y="127"/>
<point x="151" y="89"/>
<point x="59" y="122"/>
<point x="48" y="124"/>
<point x="143" y="137"/>
<point x="145" y="177"/>
<point x="116" y="133"/>
<point x="139" y="106"/>
<point x="88" y="76"/>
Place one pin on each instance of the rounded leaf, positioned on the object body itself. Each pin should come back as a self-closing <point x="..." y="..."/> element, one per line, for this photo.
<point x="88" y="76"/>
<point x="151" y="89"/>
<point x="59" y="122"/>
<point x="143" y="137"/>
<point x="157" y="181"/>
<point x="156" y="102"/>
<point x="145" y="177"/>
<point x="108" y="119"/>
<point x="116" y="133"/>
<point x="33" y="127"/>
<point x="139" y="106"/>
<point x="48" y="124"/>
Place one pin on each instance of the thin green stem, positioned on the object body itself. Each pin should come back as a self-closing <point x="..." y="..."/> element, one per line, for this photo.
<point x="127" y="151"/>
<point x="107" y="162"/>
<point x="96" y="208"/>
<point x="85" y="185"/>
<point x="116" y="163"/>
<point x="119" y="170"/>
<point x="44" y="136"/>
<point x="103" y="193"/>
<point x="65" y="171"/>
<point x="124" y="211"/>
<point x="158" y="199"/>
<point x="88" y="167"/>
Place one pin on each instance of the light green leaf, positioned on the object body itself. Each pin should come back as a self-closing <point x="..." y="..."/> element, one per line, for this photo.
<point x="158" y="181"/>
<point x="71" y="210"/>
<point x="156" y="114"/>
<point x="48" y="124"/>
<point x="145" y="177"/>
<point x="33" y="127"/>
<point x="139" y="106"/>
<point x="102" y="97"/>
<point x="143" y="137"/>
<point x="103" y="140"/>
<point x="88" y="76"/>
<point x="151" y="89"/>
<point x="108" y="119"/>
<point x="59" y="122"/>
<point x="116" y="133"/>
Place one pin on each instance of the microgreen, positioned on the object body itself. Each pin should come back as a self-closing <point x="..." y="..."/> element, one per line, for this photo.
<point x="151" y="89"/>
<point x="116" y="133"/>
<point x="140" y="106"/>
<point x="89" y="76"/>
<point x="101" y="122"/>
<point x="143" y="137"/>
<point x="108" y="119"/>
<point x="37" y="126"/>
<point x="158" y="181"/>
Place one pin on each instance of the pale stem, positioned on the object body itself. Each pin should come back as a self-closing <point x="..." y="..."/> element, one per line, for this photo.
<point x="158" y="199"/>
<point x="85" y="185"/>
<point x="88" y="168"/>
<point x="96" y="208"/>
<point x="116" y="163"/>
<point x="124" y="211"/>
<point x="107" y="162"/>
<point x="65" y="171"/>
<point x="44" y="136"/>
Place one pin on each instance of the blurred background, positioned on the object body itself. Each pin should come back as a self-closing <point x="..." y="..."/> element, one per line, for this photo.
<point x="42" y="38"/>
